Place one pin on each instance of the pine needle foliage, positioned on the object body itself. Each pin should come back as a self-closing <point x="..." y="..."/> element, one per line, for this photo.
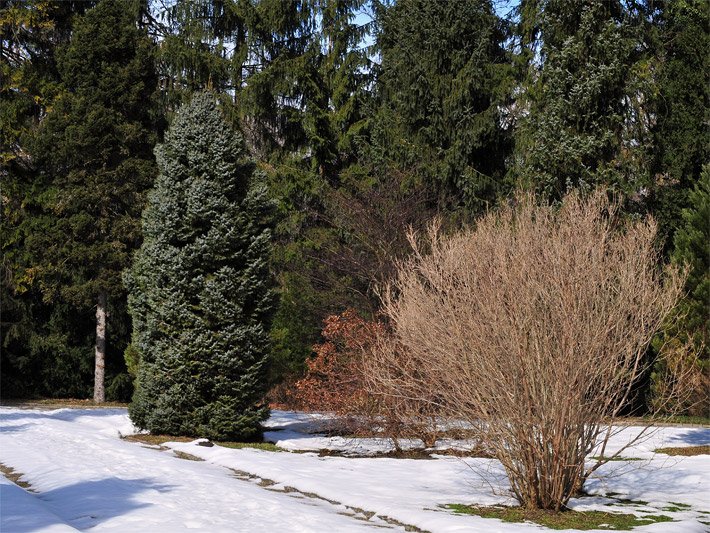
<point x="78" y="201"/>
<point x="573" y="133"/>
<point x="688" y="329"/>
<point x="445" y="80"/>
<point x="200" y="288"/>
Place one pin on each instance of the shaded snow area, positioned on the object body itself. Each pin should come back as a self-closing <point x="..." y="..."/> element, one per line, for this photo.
<point x="83" y="476"/>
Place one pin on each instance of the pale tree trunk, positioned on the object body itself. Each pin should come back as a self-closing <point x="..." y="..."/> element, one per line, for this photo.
<point x="99" y="394"/>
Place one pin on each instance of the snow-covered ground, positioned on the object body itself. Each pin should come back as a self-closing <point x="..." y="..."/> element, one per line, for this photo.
<point x="84" y="476"/>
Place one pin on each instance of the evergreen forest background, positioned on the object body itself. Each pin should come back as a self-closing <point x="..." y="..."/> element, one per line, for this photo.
<point x="362" y="118"/>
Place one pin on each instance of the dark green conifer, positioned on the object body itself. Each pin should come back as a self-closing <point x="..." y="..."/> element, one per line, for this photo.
<point x="573" y="135"/>
<point x="445" y="81"/>
<point x="681" y="137"/>
<point x="692" y="247"/>
<point x="93" y="160"/>
<point x="687" y="332"/>
<point x="200" y="289"/>
<point x="38" y="356"/>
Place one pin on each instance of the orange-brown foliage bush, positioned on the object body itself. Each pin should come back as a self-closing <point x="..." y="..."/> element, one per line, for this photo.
<point x="338" y="380"/>
<point x="334" y="378"/>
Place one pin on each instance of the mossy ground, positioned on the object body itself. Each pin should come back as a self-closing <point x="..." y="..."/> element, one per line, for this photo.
<point x="158" y="440"/>
<point x="582" y="520"/>
<point x="686" y="451"/>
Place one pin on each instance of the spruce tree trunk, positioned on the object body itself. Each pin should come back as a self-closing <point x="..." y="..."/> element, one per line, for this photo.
<point x="100" y="360"/>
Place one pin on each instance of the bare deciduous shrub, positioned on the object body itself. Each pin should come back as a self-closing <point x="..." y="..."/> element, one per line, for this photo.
<point x="534" y="326"/>
<point x="408" y="407"/>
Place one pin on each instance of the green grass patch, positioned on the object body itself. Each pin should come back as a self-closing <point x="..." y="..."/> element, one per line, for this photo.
<point x="685" y="451"/>
<point x="159" y="440"/>
<point x="682" y="505"/>
<point x="626" y="501"/>
<point x="675" y="508"/>
<point x="680" y="419"/>
<point x="266" y="446"/>
<point x="582" y="520"/>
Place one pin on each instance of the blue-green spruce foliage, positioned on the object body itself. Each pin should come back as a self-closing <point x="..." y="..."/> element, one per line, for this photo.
<point x="200" y="291"/>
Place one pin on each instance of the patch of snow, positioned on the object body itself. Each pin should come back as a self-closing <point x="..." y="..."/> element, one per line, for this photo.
<point x="21" y="512"/>
<point x="87" y="477"/>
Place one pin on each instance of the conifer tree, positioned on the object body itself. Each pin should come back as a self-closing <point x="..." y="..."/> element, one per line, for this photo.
<point x="303" y="112"/>
<point x="444" y="80"/>
<point x="692" y="247"/>
<point x="93" y="154"/>
<point x="681" y="137"/>
<point x="200" y="289"/>
<point x="687" y="331"/>
<point x="38" y="358"/>
<point x="203" y="45"/>
<point x="692" y="320"/>
<point x="573" y="134"/>
<point x="681" y="186"/>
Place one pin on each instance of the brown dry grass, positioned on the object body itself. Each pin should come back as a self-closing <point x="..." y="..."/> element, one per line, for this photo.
<point x="685" y="451"/>
<point x="159" y="440"/>
<point x="14" y="476"/>
<point x="155" y="440"/>
<point x="59" y="403"/>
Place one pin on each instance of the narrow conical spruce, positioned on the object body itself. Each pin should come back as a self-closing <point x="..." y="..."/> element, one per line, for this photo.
<point x="200" y="291"/>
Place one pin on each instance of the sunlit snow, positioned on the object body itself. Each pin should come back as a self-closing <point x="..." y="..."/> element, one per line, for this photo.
<point x="83" y="476"/>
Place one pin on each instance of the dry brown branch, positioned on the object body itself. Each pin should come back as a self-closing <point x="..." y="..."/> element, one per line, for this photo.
<point x="534" y="327"/>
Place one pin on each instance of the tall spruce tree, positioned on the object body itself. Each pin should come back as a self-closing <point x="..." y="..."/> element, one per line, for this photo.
<point x="578" y="99"/>
<point x="302" y="108"/>
<point x="692" y="247"/>
<point x="681" y="137"/>
<point x="200" y="288"/>
<point x="681" y="186"/>
<point x="687" y="331"/>
<point x="93" y="153"/>
<point x="445" y="78"/>
<point x="39" y="357"/>
<point x="203" y="45"/>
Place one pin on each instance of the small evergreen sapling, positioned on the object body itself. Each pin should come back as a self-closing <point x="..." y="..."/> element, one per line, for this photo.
<point x="200" y="290"/>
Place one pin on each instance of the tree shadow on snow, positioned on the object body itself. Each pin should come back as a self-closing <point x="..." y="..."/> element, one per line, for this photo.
<point x="14" y="429"/>
<point x="65" y="414"/>
<point x="694" y="437"/>
<point x="88" y="503"/>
